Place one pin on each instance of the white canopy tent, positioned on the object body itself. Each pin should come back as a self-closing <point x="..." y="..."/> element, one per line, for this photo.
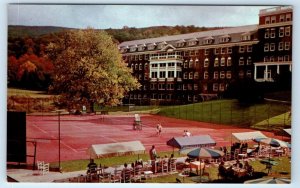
<point x="247" y="136"/>
<point x="116" y="149"/>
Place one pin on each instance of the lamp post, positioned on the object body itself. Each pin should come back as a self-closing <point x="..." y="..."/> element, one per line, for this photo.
<point x="59" y="112"/>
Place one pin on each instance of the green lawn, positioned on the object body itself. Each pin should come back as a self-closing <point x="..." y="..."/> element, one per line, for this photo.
<point x="225" y="112"/>
<point x="275" y="123"/>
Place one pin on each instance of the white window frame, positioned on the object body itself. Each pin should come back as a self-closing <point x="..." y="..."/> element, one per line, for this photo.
<point x="288" y="17"/>
<point x="216" y="75"/>
<point x="217" y="51"/>
<point x="267" y="33"/>
<point x="249" y="73"/>
<point x="206" y="51"/>
<point x="272" y="47"/>
<point x="221" y="87"/>
<point x="223" y="63"/>
<point x="273" y="33"/>
<point x="280" y="46"/>
<point x="216" y="62"/>
<point x="229" y="50"/>
<point x="286" y="58"/>
<point x="229" y="61"/>
<point x="241" y="49"/>
<point x="205" y="75"/>
<point x="249" y="60"/>
<point x="215" y="87"/>
<point x="223" y="50"/>
<point x="273" y="19"/>
<point x="222" y="74"/>
<point x="185" y="75"/>
<point x="267" y="20"/>
<point x="282" y="18"/>
<point x="281" y="32"/>
<point x="241" y="61"/>
<point x="266" y="47"/>
<point x="206" y="62"/>
<point x="191" y="75"/>
<point x="249" y="48"/>
<point x="287" y="31"/>
<point x="287" y="46"/>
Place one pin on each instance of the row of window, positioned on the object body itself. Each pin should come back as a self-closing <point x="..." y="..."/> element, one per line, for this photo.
<point x="282" y="18"/>
<point x="278" y="59"/>
<point x="281" y="46"/>
<point x="166" y="74"/>
<point x="227" y="74"/>
<point x="283" y="31"/>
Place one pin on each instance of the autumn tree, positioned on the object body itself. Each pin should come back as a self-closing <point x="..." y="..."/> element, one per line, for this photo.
<point x="88" y="69"/>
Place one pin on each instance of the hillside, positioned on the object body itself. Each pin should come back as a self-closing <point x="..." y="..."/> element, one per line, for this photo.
<point x="120" y="35"/>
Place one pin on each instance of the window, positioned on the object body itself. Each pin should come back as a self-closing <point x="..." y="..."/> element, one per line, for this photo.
<point x="241" y="74"/>
<point x="267" y="33"/>
<point x="287" y="31"/>
<point x="206" y="62"/>
<point x="249" y="61"/>
<point x="151" y="47"/>
<point x="246" y="37"/>
<point x="216" y="64"/>
<point x="249" y="73"/>
<point x="272" y="59"/>
<point x="287" y="45"/>
<point x="221" y="87"/>
<point x="191" y="75"/>
<point x="196" y="97"/>
<point x="161" y="86"/>
<point x="242" y="49"/>
<point x="205" y="75"/>
<point x="145" y="96"/>
<point x="161" y="96"/>
<point x="132" y="66"/>
<point x="272" y="47"/>
<point x="241" y="61"/>
<point x="249" y="48"/>
<point x="280" y="46"/>
<point x="222" y="74"/>
<point x="273" y="19"/>
<point x="197" y="62"/>
<point x="224" y="39"/>
<point x="192" y="43"/>
<point x="185" y="75"/>
<point x="229" y="61"/>
<point x="288" y="17"/>
<point x="146" y="76"/>
<point x="184" y="86"/>
<point x="192" y="53"/>
<point x="170" y="86"/>
<point x="171" y="64"/>
<point x="267" y="20"/>
<point x="208" y="41"/>
<point x="196" y="75"/>
<point x="140" y="76"/>
<point x="140" y="48"/>
<point x="154" y="96"/>
<point x="154" y="65"/>
<point x="281" y="31"/>
<point x="280" y="58"/>
<point x="286" y="58"/>
<point x="228" y="74"/>
<point x="132" y="49"/>
<point x="146" y="56"/>
<point x="273" y="33"/>
<point x="282" y="18"/>
<point x="217" y="50"/>
<point x="152" y="86"/>
<point x="170" y="74"/>
<point x="222" y="61"/>
<point x="223" y="50"/>
<point x="206" y="51"/>
<point x="136" y="66"/>
<point x="162" y="74"/>
<point x="215" y="87"/>
<point x="216" y="75"/>
<point x="185" y="64"/>
<point x="180" y="44"/>
<point x="266" y="47"/>
<point x="190" y="87"/>
<point x="162" y="65"/>
<point x="189" y="98"/>
<point x="141" y="66"/>
<point x="204" y="87"/>
<point x="229" y="50"/>
<point x="191" y="64"/>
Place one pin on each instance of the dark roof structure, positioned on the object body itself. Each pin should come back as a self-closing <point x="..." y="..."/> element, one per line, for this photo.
<point x="192" y="141"/>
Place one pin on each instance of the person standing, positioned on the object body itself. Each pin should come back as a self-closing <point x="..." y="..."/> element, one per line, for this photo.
<point x="153" y="153"/>
<point x="159" y="129"/>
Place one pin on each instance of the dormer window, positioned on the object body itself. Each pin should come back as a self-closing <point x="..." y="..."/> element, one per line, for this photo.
<point x="151" y="46"/>
<point x="133" y="49"/>
<point x="208" y="40"/>
<point x="180" y="43"/>
<point x="246" y="37"/>
<point x="225" y="38"/>
<point x="122" y="50"/>
<point x="161" y="45"/>
<point x="141" y="47"/>
<point x="192" y="42"/>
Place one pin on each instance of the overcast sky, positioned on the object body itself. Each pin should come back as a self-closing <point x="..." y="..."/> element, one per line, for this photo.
<point x="117" y="16"/>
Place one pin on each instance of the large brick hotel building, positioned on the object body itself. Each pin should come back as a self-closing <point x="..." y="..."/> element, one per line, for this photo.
<point x="191" y="67"/>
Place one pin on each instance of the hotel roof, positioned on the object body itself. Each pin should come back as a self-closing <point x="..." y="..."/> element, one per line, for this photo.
<point x="232" y="31"/>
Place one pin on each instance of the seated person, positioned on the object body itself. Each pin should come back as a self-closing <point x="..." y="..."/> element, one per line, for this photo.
<point x="238" y="164"/>
<point x="92" y="167"/>
<point x="222" y="170"/>
<point x="230" y="173"/>
<point x="126" y="173"/>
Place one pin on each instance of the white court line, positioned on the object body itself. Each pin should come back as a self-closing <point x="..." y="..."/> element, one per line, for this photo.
<point x="54" y="137"/>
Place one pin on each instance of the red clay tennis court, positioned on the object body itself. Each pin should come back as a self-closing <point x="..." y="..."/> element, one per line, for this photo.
<point x="79" y="132"/>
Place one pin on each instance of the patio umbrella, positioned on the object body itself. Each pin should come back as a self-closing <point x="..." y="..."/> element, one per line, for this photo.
<point x="272" y="142"/>
<point x="269" y="181"/>
<point x="205" y="153"/>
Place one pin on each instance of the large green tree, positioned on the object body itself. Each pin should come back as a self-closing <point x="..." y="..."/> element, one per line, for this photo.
<point x="88" y="69"/>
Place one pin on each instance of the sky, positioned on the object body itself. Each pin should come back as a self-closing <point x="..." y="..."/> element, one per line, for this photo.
<point x="117" y="16"/>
